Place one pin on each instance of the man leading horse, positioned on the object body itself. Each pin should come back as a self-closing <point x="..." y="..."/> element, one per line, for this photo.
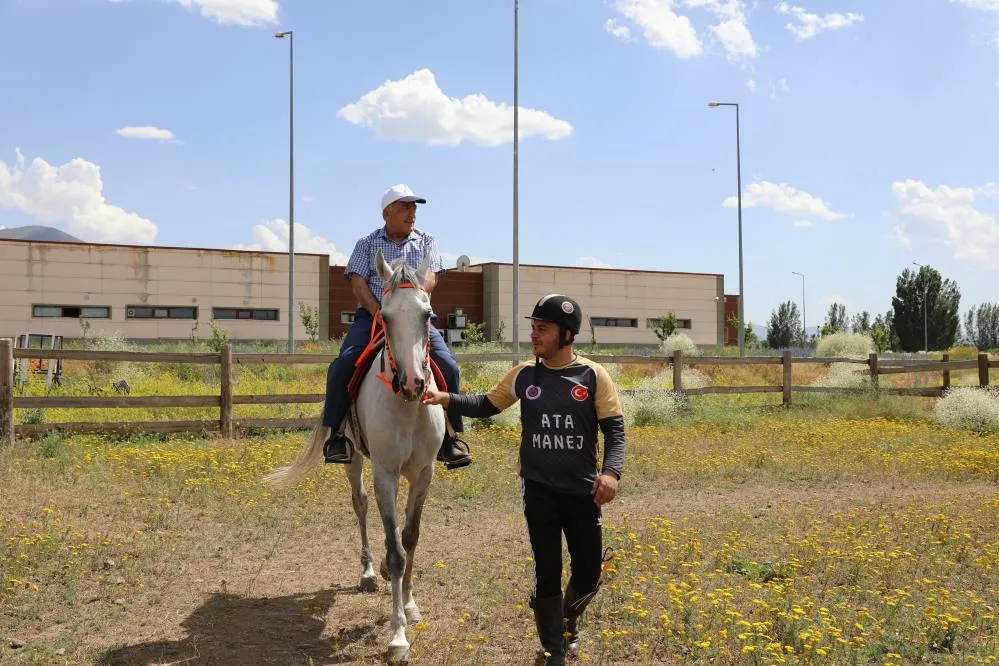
<point x="398" y="238"/>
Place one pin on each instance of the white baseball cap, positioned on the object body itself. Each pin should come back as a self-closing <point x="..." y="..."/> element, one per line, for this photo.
<point x="400" y="193"/>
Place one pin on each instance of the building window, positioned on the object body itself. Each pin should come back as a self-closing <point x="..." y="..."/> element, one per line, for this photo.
<point x="614" y="322"/>
<point x="71" y="311"/>
<point x="147" y="312"/>
<point x="347" y="316"/>
<point x="653" y="322"/>
<point x="245" y="313"/>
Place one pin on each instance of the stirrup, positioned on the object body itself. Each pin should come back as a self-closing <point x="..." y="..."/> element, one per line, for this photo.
<point x="338" y="458"/>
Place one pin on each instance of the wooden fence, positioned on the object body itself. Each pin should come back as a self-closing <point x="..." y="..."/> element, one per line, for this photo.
<point x="227" y="425"/>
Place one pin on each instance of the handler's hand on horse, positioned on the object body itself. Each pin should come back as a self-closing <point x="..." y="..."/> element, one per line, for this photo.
<point x="432" y="397"/>
<point x="604" y="488"/>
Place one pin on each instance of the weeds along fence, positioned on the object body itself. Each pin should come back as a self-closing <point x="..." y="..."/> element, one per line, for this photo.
<point x="228" y="426"/>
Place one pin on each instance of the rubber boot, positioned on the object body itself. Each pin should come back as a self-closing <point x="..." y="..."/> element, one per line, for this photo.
<point x="572" y="607"/>
<point x="548" y="620"/>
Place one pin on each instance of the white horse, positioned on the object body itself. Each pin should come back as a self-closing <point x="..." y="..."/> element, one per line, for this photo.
<point x="400" y="435"/>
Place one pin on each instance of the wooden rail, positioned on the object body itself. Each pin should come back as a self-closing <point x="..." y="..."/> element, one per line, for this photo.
<point x="227" y="425"/>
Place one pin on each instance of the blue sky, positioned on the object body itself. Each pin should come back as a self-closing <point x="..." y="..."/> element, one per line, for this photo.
<point x="868" y="131"/>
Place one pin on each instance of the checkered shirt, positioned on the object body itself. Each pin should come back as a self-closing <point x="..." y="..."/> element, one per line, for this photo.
<point x="413" y="247"/>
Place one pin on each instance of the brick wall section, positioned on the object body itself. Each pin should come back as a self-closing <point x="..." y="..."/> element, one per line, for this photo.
<point x="454" y="290"/>
<point x="731" y="310"/>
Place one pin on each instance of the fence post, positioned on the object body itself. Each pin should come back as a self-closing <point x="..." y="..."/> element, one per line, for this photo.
<point x="786" y="382"/>
<point x="946" y="371"/>
<point x="678" y="370"/>
<point x="225" y="406"/>
<point x="7" y="392"/>
<point x="983" y="369"/>
<point x="872" y="361"/>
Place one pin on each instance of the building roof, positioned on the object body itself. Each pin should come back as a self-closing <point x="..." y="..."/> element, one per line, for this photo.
<point x="174" y="248"/>
<point x="587" y="268"/>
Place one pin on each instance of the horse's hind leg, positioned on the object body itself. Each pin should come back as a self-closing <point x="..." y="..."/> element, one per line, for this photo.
<point x="387" y="491"/>
<point x="359" y="498"/>
<point x="418" y="491"/>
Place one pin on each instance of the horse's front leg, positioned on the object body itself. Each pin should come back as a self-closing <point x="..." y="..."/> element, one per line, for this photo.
<point x="418" y="491"/>
<point x="359" y="498"/>
<point x="387" y="491"/>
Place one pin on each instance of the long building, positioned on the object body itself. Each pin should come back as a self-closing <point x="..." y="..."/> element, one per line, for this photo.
<point x="161" y="293"/>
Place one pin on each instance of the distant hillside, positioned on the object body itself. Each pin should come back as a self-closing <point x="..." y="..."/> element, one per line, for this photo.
<point x="37" y="232"/>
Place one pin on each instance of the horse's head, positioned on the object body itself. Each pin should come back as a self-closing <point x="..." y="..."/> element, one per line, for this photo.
<point x="406" y="313"/>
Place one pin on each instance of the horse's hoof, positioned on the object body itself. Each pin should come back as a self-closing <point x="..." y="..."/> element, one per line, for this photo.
<point x="383" y="569"/>
<point x="413" y="614"/>
<point x="369" y="584"/>
<point x="398" y="654"/>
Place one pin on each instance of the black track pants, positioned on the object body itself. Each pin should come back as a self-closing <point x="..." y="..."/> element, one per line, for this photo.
<point x="549" y="514"/>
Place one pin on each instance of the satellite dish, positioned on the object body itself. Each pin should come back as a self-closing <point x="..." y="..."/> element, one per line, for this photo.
<point x="463" y="262"/>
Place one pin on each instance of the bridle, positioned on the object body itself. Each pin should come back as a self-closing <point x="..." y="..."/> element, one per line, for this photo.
<point x="394" y="384"/>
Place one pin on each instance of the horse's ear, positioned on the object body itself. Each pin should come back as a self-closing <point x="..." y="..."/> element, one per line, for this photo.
<point x="382" y="267"/>
<point x="421" y="272"/>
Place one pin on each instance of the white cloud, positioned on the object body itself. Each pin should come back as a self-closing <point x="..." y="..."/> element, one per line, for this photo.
<point x="802" y="224"/>
<point x="146" y="132"/>
<point x="900" y="235"/>
<point x="984" y="5"/>
<point x="620" y="31"/>
<point x="272" y="236"/>
<point x="667" y="30"/>
<point x="416" y="109"/>
<point x="592" y="262"/>
<point x="234" y="12"/>
<point x="809" y="25"/>
<point x="70" y="193"/>
<point x="779" y="87"/>
<point x="751" y="84"/>
<point x="662" y="27"/>
<point x="784" y="199"/>
<point x="971" y="234"/>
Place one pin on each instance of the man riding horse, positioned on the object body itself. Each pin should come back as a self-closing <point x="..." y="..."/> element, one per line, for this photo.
<point x="398" y="238"/>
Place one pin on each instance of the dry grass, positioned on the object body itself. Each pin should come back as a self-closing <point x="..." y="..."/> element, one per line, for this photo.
<point x="741" y="537"/>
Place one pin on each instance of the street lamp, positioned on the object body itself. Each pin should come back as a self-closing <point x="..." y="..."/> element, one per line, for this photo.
<point x="926" y="335"/>
<point x="804" y="335"/>
<point x="738" y="177"/>
<point x="516" y="192"/>
<point x="291" y="187"/>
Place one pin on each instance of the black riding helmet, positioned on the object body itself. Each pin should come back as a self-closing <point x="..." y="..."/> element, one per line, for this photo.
<point x="562" y="310"/>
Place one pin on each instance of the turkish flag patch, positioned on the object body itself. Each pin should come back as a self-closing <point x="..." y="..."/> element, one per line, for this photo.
<point x="579" y="392"/>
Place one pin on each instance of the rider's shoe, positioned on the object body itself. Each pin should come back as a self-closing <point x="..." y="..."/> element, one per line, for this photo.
<point x="338" y="449"/>
<point x="452" y="455"/>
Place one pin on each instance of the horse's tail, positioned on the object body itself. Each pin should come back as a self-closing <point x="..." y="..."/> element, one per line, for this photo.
<point x="311" y="455"/>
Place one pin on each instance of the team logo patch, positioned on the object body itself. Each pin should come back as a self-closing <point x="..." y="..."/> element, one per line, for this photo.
<point x="579" y="392"/>
<point x="567" y="307"/>
<point x="533" y="392"/>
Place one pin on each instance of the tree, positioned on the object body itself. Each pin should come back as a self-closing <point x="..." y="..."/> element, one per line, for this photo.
<point x="785" y="326"/>
<point x="882" y="333"/>
<point x="749" y="336"/>
<point x="981" y="326"/>
<point x="941" y="299"/>
<point x="666" y="326"/>
<point x="835" y="320"/>
<point x="309" y="314"/>
<point x="861" y="323"/>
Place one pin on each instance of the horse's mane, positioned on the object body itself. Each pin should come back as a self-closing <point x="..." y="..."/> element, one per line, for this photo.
<point x="407" y="274"/>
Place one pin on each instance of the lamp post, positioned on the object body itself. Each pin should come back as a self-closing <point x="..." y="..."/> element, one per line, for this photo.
<point x="804" y="336"/>
<point x="516" y="193"/>
<point x="738" y="177"/>
<point x="291" y="187"/>
<point x="926" y="335"/>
